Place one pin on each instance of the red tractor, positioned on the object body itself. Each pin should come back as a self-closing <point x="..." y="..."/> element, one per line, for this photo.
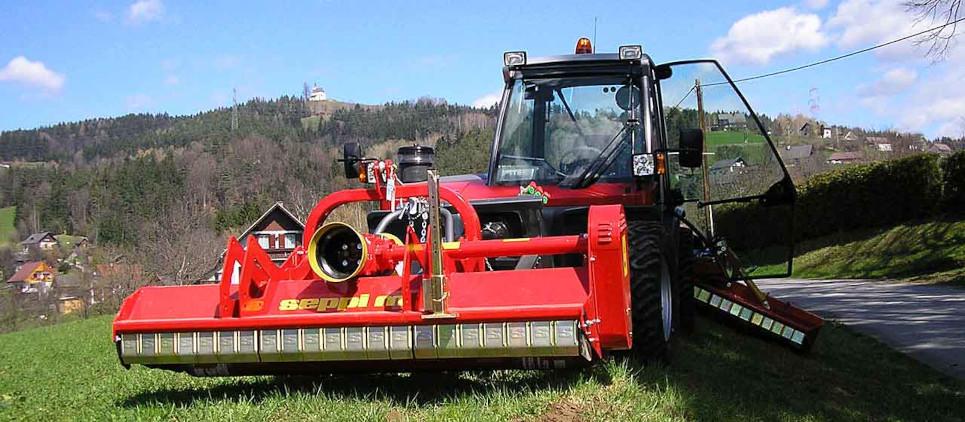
<point x="576" y="244"/>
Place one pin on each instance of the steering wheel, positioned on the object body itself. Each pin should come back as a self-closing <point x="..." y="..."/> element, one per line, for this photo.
<point x="585" y="152"/>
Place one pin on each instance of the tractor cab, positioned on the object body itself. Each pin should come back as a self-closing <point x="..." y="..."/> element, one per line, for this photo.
<point x="680" y="136"/>
<point x="570" y="121"/>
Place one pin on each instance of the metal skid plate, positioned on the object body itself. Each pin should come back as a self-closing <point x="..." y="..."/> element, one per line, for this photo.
<point x="507" y="339"/>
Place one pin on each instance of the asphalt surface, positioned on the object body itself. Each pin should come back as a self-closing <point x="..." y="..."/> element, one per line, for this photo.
<point x="924" y="321"/>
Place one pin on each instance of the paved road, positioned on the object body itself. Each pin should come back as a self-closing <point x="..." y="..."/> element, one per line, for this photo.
<point x="926" y="322"/>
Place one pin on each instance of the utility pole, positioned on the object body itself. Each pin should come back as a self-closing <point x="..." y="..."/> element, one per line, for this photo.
<point x="709" y="209"/>
<point x="234" y="109"/>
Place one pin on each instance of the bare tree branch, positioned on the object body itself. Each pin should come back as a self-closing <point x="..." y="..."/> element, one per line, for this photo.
<point x="936" y="12"/>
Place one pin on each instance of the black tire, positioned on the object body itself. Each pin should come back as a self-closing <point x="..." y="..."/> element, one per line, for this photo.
<point x="648" y="267"/>
<point x="686" y="304"/>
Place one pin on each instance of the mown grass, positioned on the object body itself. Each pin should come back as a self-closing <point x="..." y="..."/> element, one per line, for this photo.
<point x="69" y="371"/>
<point x="928" y="251"/>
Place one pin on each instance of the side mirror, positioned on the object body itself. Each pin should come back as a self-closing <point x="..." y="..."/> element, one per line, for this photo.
<point x="691" y="148"/>
<point x="351" y="156"/>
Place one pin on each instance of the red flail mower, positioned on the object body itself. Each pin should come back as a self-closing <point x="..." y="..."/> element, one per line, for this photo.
<point x="575" y="244"/>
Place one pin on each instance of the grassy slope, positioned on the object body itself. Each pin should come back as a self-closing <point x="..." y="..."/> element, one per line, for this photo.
<point x="727" y="137"/>
<point x="69" y="371"/>
<point x="921" y="251"/>
<point x="8" y="229"/>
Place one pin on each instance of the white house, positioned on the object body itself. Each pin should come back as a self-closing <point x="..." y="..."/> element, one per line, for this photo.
<point x="318" y="94"/>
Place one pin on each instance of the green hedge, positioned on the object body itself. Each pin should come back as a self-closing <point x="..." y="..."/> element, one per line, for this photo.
<point x="953" y="183"/>
<point x="870" y="195"/>
<point x="861" y="196"/>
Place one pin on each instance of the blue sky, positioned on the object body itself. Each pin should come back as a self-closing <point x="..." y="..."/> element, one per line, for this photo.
<point x="65" y="61"/>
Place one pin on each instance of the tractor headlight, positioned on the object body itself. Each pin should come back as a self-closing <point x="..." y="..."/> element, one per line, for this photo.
<point x="631" y="52"/>
<point x="514" y="58"/>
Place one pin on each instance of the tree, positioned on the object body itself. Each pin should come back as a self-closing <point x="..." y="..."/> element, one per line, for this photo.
<point x="937" y="12"/>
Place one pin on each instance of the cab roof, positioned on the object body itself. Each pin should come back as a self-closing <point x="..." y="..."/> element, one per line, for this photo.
<point x="578" y="65"/>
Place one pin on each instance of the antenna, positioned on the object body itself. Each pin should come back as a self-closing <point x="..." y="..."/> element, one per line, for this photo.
<point x="234" y="109"/>
<point x="594" y="34"/>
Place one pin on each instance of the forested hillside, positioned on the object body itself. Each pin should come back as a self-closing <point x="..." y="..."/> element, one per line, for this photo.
<point x="165" y="191"/>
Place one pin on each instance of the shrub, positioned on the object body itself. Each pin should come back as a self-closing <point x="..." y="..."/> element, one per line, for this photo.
<point x="861" y="196"/>
<point x="869" y="195"/>
<point x="953" y="183"/>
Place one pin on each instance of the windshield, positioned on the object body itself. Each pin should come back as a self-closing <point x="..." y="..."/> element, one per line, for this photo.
<point x="555" y="130"/>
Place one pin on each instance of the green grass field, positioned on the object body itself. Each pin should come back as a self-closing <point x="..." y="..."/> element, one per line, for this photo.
<point x="729" y="137"/>
<point x="931" y="251"/>
<point x="69" y="371"/>
<point x="8" y="227"/>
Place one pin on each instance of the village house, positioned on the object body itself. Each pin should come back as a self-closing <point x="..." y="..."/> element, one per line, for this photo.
<point x="43" y="241"/>
<point x="277" y="231"/>
<point x="845" y="157"/>
<point x="33" y="277"/>
<point x="728" y="166"/>
<point x="939" y="148"/>
<point x="71" y="289"/>
<point x="317" y="94"/>
<point x="725" y="121"/>
<point x="880" y="143"/>
<point x="793" y="155"/>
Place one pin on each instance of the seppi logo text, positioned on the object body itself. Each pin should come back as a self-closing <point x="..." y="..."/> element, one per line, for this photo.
<point x="329" y="304"/>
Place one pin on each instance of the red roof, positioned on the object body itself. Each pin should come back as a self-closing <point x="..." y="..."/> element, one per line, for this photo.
<point x="24" y="272"/>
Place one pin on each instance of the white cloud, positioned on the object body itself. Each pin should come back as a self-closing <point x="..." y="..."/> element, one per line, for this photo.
<point x="936" y="106"/>
<point x="862" y="23"/>
<point x="488" y="100"/>
<point x="891" y="83"/>
<point x="172" y="80"/>
<point x="22" y="70"/>
<point x="762" y="36"/>
<point x="145" y="11"/>
<point x="815" y="4"/>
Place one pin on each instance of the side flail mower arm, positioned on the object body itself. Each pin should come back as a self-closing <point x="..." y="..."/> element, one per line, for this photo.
<point x="330" y="308"/>
<point x="723" y="289"/>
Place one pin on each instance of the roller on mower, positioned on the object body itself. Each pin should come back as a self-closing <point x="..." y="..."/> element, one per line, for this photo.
<point x="574" y="245"/>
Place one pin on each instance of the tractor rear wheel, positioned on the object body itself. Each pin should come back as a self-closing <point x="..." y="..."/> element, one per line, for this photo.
<point x="651" y="290"/>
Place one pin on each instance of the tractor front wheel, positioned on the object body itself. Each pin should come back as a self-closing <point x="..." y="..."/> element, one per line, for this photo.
<point x="651" y="290"/>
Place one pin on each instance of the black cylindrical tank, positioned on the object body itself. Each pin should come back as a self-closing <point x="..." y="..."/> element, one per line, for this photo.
<point x="413" y="161"/>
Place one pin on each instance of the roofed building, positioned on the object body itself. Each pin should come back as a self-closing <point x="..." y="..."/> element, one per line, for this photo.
<point x="277" y="231"/>
<point x="317" y="94"/>
<point x="845" y="157"/>
<point x="42" y="241"/>
<point x="939" y="148"/>
<point x="728" y="166"/>
<point x="729" y="121"/>
<point x="792" y="155"/>
<point x="33" y="277"/>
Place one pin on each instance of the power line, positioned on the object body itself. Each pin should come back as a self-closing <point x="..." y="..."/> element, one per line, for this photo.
<point x="843" y="56"/>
